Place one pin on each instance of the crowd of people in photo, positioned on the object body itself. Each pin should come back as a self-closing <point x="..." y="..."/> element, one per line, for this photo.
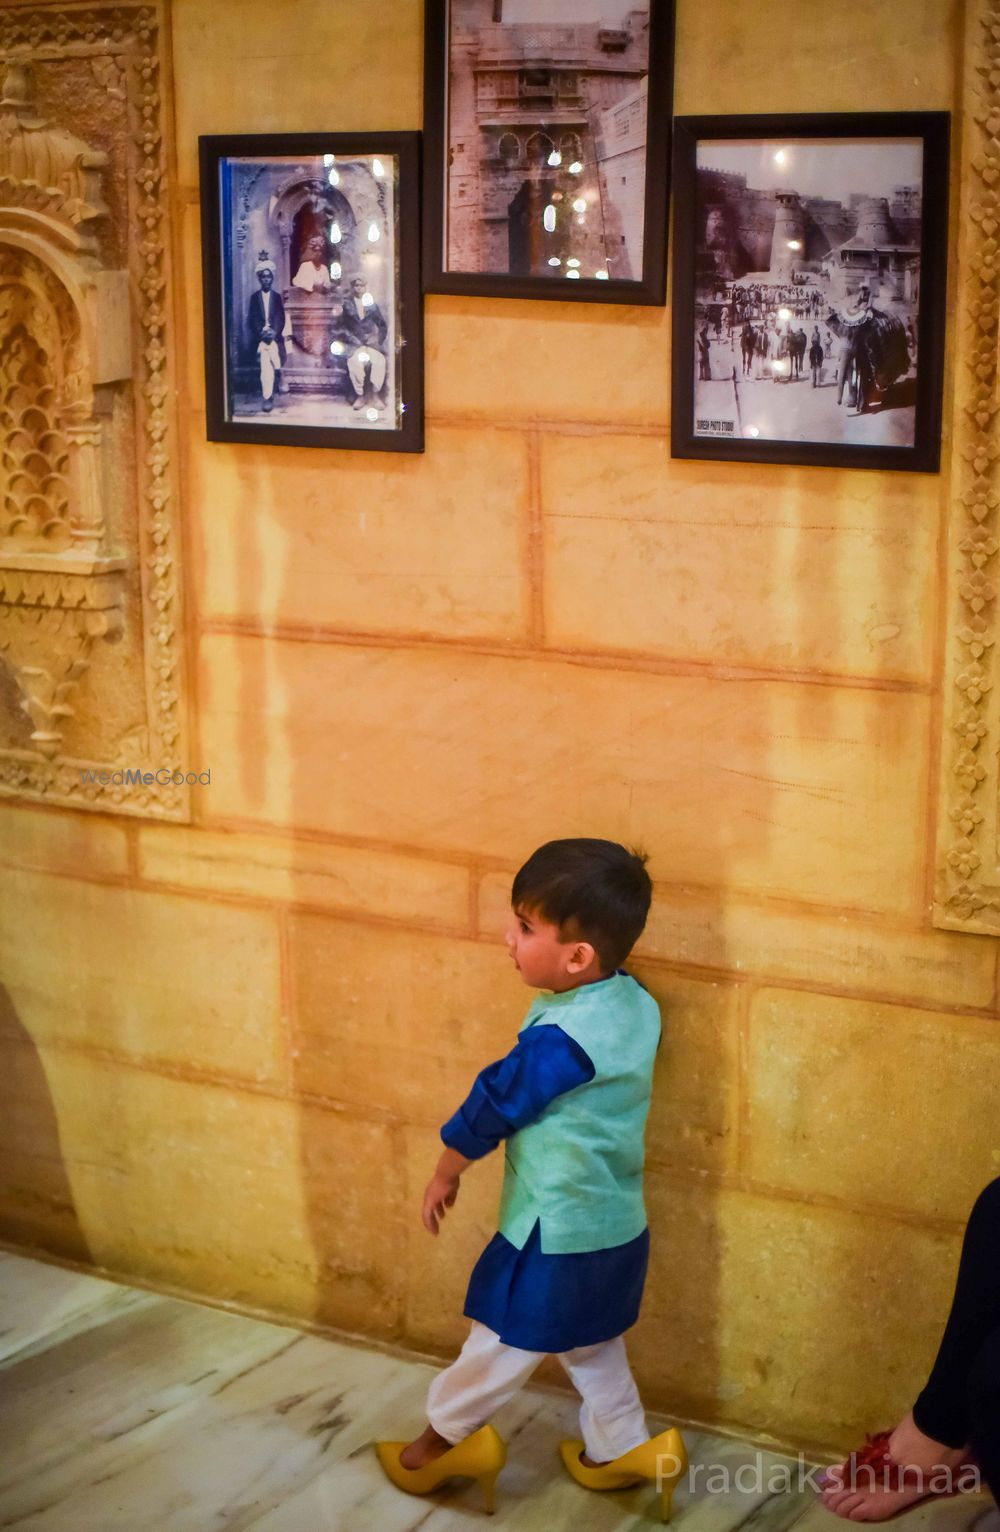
<point x="784" y="332"/>
<point x="757" y="299"/>
<point x="774" y="343"/>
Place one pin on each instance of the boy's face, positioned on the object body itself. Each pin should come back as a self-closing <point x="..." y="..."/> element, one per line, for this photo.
<point x="542" y="958"/>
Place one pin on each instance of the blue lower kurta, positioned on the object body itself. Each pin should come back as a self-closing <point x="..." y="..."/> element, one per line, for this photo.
<point x="534" y="1301"/>
<point x="543" y="1302"/>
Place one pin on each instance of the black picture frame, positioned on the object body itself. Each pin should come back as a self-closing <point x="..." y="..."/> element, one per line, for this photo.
<point x="889" y="274"/>
<point x="567" y="113"/>
<point x="276" y="199"/>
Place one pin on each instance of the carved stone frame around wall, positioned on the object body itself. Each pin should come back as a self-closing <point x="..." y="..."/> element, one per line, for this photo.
<point x="967" y="895"/>
<point x="69" y="579"/>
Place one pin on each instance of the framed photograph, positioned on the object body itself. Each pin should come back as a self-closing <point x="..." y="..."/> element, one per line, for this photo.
<point x="809" y="288"/>
<point x="313" y="309"/>
<point x="547" y="148"/>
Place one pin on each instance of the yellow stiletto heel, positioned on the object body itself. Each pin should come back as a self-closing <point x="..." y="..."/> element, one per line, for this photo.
<point x="480" y="1456"/>
<point x="666" y="1499"/>
<point x="668" y="1482"/>
<point x="488" y="1485"/>
<point x="661" y="1461"/>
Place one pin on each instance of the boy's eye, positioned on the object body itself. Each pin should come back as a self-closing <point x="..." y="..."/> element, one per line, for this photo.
<point x="524" y="926"/>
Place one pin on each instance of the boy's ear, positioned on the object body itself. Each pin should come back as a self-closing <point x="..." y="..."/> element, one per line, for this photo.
<point x="581" y="957"/>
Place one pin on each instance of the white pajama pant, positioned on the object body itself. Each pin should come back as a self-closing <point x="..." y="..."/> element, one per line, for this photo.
<point x="487" y="1373"/>
<point x="270" y="365"/>
<point x="356" y="368"/>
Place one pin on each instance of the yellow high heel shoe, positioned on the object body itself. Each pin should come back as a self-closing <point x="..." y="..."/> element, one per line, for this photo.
<point x="479" y="1456"/>
<point x="661" y="1461"/>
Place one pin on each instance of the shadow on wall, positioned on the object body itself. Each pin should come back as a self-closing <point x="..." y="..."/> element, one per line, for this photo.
<point x="37" y="1211"/>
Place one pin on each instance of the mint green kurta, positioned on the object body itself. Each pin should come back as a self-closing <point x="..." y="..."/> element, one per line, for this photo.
<point x="577" y="1169"/>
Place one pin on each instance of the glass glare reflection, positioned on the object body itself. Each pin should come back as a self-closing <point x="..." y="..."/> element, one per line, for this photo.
<point x="573" y="204"/>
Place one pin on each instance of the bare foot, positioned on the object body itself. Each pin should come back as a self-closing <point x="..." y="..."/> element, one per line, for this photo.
<point x="908" y="1444"/>
<point x="866" y="1494"/>
<point x="424" y="1449"/>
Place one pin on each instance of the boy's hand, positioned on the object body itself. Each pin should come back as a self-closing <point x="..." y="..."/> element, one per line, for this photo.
<point x="440" y="1194"/>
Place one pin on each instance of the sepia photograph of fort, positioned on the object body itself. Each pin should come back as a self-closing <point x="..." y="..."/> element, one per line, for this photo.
<point x="807" y="290"/>
<point x="547" y="138"/>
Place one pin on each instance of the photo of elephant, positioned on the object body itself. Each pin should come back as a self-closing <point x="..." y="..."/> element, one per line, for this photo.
<point x="807" y="290"/>
<point x="874" y="354"/>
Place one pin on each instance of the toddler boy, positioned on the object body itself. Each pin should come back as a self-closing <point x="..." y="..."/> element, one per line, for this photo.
<point x="565" y="1272"/>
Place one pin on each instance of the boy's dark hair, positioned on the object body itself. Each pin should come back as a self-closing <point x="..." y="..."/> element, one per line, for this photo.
<point x="599" y="889"/>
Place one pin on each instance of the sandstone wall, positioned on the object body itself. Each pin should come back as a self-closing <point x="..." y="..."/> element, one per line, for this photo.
<point x="228" y="1046"/>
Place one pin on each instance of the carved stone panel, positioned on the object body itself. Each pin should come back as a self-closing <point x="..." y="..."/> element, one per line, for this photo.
<point x="90" y="622"/>
<point x="967" y="895"/>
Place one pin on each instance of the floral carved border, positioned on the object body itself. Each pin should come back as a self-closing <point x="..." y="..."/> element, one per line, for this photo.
<point x="122" y="43"/>
<point x="968" y="876"/>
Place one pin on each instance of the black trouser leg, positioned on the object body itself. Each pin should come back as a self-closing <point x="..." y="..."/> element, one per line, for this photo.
<point x="984" y="1410"/>
<point x="942" y="1410"/>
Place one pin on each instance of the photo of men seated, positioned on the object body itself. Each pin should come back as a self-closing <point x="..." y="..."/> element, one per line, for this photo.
<point x="311" y="292"/>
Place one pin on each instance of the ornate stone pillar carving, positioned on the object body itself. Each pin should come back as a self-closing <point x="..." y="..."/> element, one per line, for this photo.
<point x="87" y="527"/>
<point x="967" y="895"/>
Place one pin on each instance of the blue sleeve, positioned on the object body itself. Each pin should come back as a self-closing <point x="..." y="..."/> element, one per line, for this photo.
<point x="507" y="1095"/>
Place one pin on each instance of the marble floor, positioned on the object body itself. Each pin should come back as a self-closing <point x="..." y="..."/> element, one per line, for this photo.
<point x="125" y="1411"/>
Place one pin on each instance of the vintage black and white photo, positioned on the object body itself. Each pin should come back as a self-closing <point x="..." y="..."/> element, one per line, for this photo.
<point x="808" y="316"/>
<point x="541" y="142"/>
<point x="305" y="287"/>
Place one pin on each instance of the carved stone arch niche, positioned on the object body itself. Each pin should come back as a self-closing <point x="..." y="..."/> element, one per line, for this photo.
<point x="89" y="605"/>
